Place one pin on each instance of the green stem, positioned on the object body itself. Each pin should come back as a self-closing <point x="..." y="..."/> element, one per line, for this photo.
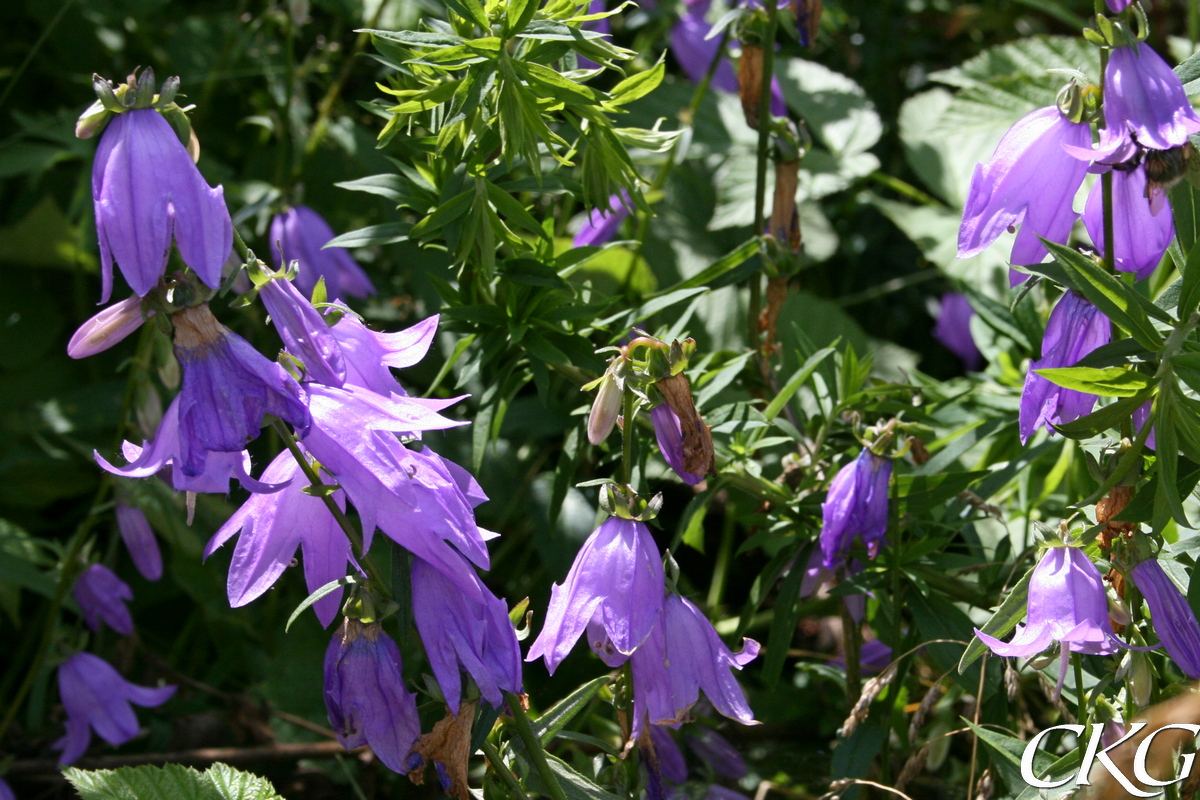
<point x="501" y="769"/>
<point x="852" y="644"/>
<point x="1081" y="709"/>
<point x="627" y="436"/>
<point x="533" y="746"/>
<point x="760" y="171"/>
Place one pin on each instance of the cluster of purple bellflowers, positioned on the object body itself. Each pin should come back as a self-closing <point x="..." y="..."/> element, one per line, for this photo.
<point x="354" y="427"/>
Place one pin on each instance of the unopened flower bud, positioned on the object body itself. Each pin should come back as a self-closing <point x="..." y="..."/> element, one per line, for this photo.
<point x="604" y="410"/>
<point x="1139" y="679"/>
<point x="91" y="122"/>
<point x="750" y="70"/>
<point x="107" y="328"/>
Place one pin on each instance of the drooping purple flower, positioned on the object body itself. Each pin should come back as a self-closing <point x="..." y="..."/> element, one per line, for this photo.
<point x="1029" y="182"/>
<point x="304" y="332"/>
<point x="817" y="577"/>
<point x="953" y="329"/>
<point x="365" y="694"/>
<point x="602" y="223"/>
<point x="1067" y="605"/>
<point x="668" y="432"/>
<point x="682" y="656"/>
<point x="856" y="505"/>
<point x="1144" y="105"/>
<point x="102" y="597"/>
<point x="272" y="526"/>
<point x="302" y="233"/>
<point x="1173" y="619"/>
<point x="147" y="190"/>
<point x="874" y="657"/>
<point x="460" y="632"/>
<point x="370" y="355"/>
<point x="616" y="583"/>
<point x="1075" y="328"/>
<point x="669" y="756"/>
<point x="1117" y="6"/>
<point x="1140" y="235"/>
<point x="96" y="697"/>
<point x="139" y="540"/>
<point x="228" y="387"/>
<point x="695" y="52"/>
<point x="716" y="751"/>
<point x="6" y="792"/>
<point x="107" y="328"/>
<point x="166" y="453"/>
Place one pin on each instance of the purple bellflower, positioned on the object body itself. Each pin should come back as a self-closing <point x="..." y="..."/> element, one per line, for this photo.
<point x="614" y="590"/>
<point x="304" y="332"/>
<point x="139" y="540"/>
<point x="1030" y="182"/>
<point x="365" y="695"/>
<point x="272" y="526"/>
<point x="953" y="329"/>
<point x="96" y="697"/>
<point x="228" y="387"/>
<point x="668" y="432"/>
<point x="1075" y="328"/>
<point x="856" y="505"/>
<point x="682" y="655"/>
<point x="670" y="758"/>
<point x="1067" y="605"/>
<point x="1174" y="621"/>
<point x="1141" y="232"/>
<point x="301" y="234"/>
<point x="695" y="52"/>
<point x="817" y="577"/>
<point x="6" y="792"/>
<point x="458" y="631"/>
<point x="716" y="751"/>
<point x="602" y="223"/>
<point x="102" y="597"/>
<point x="874" y="658"/>
<point x="107" y="328"/>
<point x="370" y="355"/>
<point x="166" y="452"/>
<point x="146" y="191"/>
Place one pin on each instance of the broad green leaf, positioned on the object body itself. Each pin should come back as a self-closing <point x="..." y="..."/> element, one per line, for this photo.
<point x="638" y="85"/>
<point x="514" y="211"/>
<point x="728" y="262"/>
<point x="372" y="235"/>
<point x="389" y="185"/>
<point x="834" y="106"/>
<point x="555" y="718"/>
<point x="444" y="214"/>
<point x="218" y="782"/>
<point x="779" y="401"/>
<point x="1104" y="418"/>
<point x="428" y="99"/>
<point x="1110" y="382"/>
<point x="518" y="15"/>
<point x="469" y="10"/>
<point x="1004" y="619"/>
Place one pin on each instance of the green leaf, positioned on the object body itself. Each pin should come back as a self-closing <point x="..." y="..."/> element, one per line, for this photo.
<point x="793" y="385"/>
<point x="555" y="718"/>
<point x="446" y="213"/>
<point x="1006" y="752"/>
<point x="998" y="317"/>
<point x="332" y="586"/>
<point x="691" y="524"/>
<point x="514" y="211"/>
<point x="1003" y="620"/>
<point x="1110" y="382"/>
<point x="175" y="781"/>
<point x="518" y="15"/>
<point x="1167" y="502"/>
<point x="638" y="85"/>
<point x="387" y="233"/>
<point x="709" y="275"/>
<point x="1109" y="416"/>
<point x="429" y="99"/>
<point x="1189" y="293"/>
<point x="469" y="10"/>
<point x="783" y="624"/>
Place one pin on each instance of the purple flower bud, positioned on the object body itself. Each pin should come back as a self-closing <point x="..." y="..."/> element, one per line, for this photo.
<point x="304" y="332"/>
<point x="228" y="387"/>
<point x="616" y="582"/>
<point x="817" y="577"/>
<point x="365" y="694"/>
<point x="102" y="596"/>
<point x="139" y="541"/>
<point x="302" y="233"/>
<point x="669" y="756"/>
<point x="6" y="792"/>
<point x="1075" y="328"/>
<point x="874" y="657"/>
<point x="716" y="751"/>
<point x="1174" y="621"/>
<point x="605" y="409"/>
<point x="669" y="434"/>
<point x="1117" y="6"/>
<point x="856" y="505"/>
<point x="954" y="330"/>
<point x="1140" y="233"/>
<point x="458" y="631"/>
<point x="272" y="526"/>
<point x="602" y="223"/>
<point x="97" y="698"/>
<point x="1031" y="182"/>
<point x="682" y="655"/>
<point x="107" y="328"/>
<point x="146" y="191"/>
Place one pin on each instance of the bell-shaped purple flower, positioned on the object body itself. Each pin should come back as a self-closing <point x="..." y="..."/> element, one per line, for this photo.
<point x="873" y="658"/>
<point x="6" y="792"/>
<point x="146" y="191"/>
<point x="166" y="453"/>
<point x="272" y="526"/>
<point x="616" y="583"/>
<point x="668" y="432"/>
<point x="1144" y="105"/>
<point x="107" y="328"/>
<point x="1140" y="234"/>
<point x="301" y="234"/>
<point x="460" y="632"/>
<point x="683" y="655"/>
<point x="96" y="697"/>
<point x="817" y="577"/>
<point x="370" y="355"/>
<point x="1030" y="182"/>
<point x="1174" y="621"/>
<point x="670" y="758"/>
<point x="365" y="694"/>
<point x="1067" y="605"/>
<point x="716" y="751"/>
<point x="102" y="597"/>
<point x="228" y="387"/>
<point x="953" y="329"/>
<point x="856" y="505"/>
<point x="139" y="540"/>
<point x="602" y="223"/>
<point x="304" y="332"/>
<point x="1075" y="328"/>
<point x="695" y="52"/>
